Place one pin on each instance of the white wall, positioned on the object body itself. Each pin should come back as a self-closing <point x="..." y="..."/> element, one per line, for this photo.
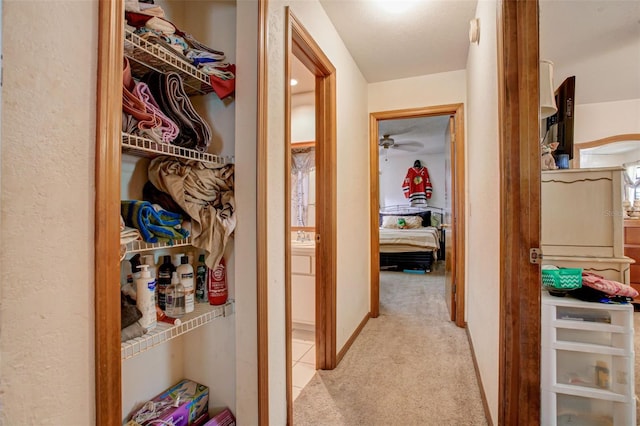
<point x="303" y="117"/>
<point x="604" y="119"/>
<point x="393" y="172"/>
<point x="47" y="243"/>
<point x="352" y="176"/>
<point x="415" y="92"/>
<point x="483" y="204"/>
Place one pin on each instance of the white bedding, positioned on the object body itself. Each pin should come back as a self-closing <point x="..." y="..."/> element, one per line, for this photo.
<point x="404" y="240"/>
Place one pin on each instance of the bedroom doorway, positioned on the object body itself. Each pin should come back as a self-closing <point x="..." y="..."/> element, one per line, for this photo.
<point x="312" y="229"/>
<point x="451" y="209"/>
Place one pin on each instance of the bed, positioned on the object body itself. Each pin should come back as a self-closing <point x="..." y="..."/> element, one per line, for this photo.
<point x="410" y="245"/>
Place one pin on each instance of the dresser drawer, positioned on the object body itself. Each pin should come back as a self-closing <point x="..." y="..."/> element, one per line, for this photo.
<point x="632" y="234"/>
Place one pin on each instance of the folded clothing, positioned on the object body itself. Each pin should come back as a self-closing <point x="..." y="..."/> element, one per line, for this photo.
<point x="154" y="224"/>
<point x="609" y="287"/>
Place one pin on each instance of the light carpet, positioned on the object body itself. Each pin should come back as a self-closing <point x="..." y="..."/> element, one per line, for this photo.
<point x="409" y="366"/>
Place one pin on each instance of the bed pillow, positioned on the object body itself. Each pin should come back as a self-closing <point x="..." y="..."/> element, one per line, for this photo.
<point x="426" y="217"/>
<point x="402" y="222"/>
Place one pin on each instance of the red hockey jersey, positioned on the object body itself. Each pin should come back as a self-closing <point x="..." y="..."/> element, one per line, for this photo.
<point x="417" y="185"/>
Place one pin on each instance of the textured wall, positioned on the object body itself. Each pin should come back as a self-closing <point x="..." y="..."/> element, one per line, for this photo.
<point x="352" y="197"/>
<point x="48" y="137"/>
<point x="483" y="210"/>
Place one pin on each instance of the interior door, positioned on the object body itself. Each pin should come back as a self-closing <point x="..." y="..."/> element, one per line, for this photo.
<point x="447" y="221"/>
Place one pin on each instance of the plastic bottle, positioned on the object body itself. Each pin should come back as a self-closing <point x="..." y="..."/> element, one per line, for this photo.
<point x="217" y="284"/>
<point x="164" y="280"/>
<point x="150" y="260"/>
<point x="201" y="280"/>
<point x="175" y="298"/>
<point x="177" y="260"/>
<point x="185" y="273"/>
<point x="145" y="298"/>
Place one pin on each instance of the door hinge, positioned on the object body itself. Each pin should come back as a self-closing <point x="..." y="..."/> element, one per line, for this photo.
<point x="535" y="255"/>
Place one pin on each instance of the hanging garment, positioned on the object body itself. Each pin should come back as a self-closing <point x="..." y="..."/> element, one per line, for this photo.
<point x="205" y="192"/>
<point x="417" y="186"/>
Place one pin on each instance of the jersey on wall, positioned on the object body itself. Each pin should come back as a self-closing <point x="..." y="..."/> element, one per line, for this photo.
<point x="417" y="186"/>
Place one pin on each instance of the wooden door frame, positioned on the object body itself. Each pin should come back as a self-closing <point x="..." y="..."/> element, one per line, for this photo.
<point x="518" y="100"/>
<point x="457" y="194"/>
<point x="301" y="45"/>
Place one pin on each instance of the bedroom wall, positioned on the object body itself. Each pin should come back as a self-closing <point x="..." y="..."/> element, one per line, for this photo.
<point x="393" y="171"/>
<point x="352" y="176"/>
<point x="604" y="119"/>
<point x="483" y="204"/>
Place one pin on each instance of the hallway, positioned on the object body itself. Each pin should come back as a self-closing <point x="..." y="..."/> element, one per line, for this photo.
<point x="410" y="366"/>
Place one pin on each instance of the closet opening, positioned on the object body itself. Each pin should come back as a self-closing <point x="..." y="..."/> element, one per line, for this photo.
<point x="310" y="210"/>
<point x="417" y="175"/>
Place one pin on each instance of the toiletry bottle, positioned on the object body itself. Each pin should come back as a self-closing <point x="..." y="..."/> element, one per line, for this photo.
<point x="150" y="260"/>
<point x="164" y="280"/>
<point x="185" y="273"/>
<point x="176" y="259"/>
<point x="201" y="280"/>
<point x="175" y="297"/>
<point x="217" y="284"/>
<point x="146" y="299"/>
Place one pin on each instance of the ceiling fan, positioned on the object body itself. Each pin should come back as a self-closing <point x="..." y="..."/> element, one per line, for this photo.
<point x="387" y="142"/>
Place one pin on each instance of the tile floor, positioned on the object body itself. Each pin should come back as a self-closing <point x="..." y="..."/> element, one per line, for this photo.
<point x="303" y="355"/>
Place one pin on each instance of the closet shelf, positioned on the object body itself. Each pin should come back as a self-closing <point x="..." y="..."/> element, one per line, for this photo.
<point x="142" y="147"/>
<point x="140" y="246"/>
<point x="145" y="56"/>
<point x="163" y="332"/>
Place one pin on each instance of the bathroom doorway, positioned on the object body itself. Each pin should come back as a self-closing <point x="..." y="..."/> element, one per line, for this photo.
<point x="310" y="210"/>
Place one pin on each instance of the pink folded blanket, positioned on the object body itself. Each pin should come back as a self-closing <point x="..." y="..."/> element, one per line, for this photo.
<point x="610" y="287"/>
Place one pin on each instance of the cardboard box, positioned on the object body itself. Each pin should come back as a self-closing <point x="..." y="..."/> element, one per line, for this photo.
<point x="224" y="418"/>
<point x="182" y="404"/>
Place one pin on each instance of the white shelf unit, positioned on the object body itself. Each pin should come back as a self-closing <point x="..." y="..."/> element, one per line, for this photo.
<point x="578" y="339"/>
<point x="145" y="56"/>
<point x="143" y="147"/>
<point x="140" y="246"/>
<point x="169" y="353"/>
<point x="163" y="332"/>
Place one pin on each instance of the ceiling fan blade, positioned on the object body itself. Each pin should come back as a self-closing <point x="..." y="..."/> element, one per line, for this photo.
<point x="410" y="143"/>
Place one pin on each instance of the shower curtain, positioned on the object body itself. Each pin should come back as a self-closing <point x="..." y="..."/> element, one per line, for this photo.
<point x="303" y="163"/>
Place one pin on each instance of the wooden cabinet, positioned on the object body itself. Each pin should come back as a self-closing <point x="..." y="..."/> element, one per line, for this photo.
<point x="582" y="224"/>
<point x="632" y="249"/>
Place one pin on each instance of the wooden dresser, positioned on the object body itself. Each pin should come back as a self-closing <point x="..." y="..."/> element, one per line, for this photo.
<point x="632" y="249"/>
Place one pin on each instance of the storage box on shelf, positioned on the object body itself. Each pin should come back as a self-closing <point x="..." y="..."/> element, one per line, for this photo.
<point x="587" y="368"/>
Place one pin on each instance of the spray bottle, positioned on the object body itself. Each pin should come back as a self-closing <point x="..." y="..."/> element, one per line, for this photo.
<point x="146" y="299"/>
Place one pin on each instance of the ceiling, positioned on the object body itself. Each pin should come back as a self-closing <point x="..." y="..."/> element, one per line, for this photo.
<point x="394" y="39"/>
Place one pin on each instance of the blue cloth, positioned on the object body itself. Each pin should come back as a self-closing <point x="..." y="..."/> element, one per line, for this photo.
<point x="154" y="226"/>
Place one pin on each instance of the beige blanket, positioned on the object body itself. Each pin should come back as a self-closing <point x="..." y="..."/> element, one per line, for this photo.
<point x="205" y="192"/>
<point x="403" y="240"/>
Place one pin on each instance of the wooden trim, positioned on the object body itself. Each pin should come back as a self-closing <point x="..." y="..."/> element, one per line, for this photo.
<point x="483" y="395"/>
<point x="262" y="226"/>
<point x="299" y="145"/>
<point x="600" y="142"/>
<point x="107" y="205"/>
<point x="353" y="337"/>
<point x="287" y="222"/>
<point x="519" y="352"/>
<point x="301" y="45"/>
<point x="458" y="198"/>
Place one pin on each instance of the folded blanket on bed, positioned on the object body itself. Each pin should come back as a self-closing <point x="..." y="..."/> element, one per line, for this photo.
<point x="154" y="224"/>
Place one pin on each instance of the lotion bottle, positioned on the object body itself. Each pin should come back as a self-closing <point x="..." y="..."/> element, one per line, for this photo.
<point x="146" y="298"/>
<point x="185" y="274"/>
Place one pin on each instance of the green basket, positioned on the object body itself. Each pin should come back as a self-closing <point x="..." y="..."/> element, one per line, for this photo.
<point x="565" y="278"/>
